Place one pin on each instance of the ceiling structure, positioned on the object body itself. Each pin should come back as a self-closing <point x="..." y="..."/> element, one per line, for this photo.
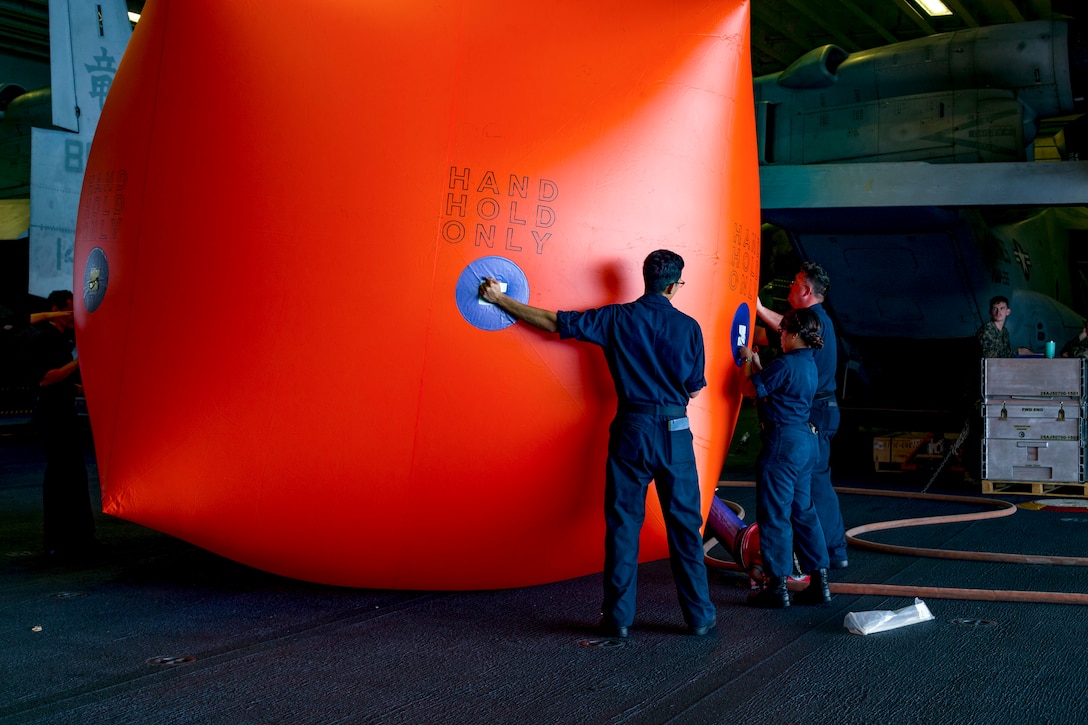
<point x="24" y="30"/>
<point x="782" y="30"/>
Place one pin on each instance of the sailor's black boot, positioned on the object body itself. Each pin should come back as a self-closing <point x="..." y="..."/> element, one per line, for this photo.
<point x="816" y="592"/>
<point x="773" y="596"/>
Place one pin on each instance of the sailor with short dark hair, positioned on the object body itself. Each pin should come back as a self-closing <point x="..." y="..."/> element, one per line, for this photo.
<point x="807" y="291"/>
<point x="656" y="357"/>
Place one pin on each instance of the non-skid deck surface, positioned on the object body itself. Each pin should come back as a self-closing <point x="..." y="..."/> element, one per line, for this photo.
<point x="156" y="630"/>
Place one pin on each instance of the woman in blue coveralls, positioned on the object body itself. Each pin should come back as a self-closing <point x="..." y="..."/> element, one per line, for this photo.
<point x="784" y="509"/>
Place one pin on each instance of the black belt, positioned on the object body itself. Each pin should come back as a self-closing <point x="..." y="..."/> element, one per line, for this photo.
<point x="827" y="395"/>
<point x="767" y="427"/>
<point x="667" y="411"/>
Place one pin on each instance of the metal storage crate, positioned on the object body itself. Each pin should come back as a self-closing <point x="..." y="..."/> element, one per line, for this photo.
<point x="1033" y="376"/>
<point x="1033" y="460"/>
<point x="1034" y="420"/>
<point x="1052" y="419"/>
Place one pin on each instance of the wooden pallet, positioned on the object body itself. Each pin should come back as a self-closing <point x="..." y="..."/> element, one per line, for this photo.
<point x="1037" y="488"/>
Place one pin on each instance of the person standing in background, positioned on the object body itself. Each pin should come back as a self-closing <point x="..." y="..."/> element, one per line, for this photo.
<point x="993" y="337"/>
<point x="1078" y="346"/>
<point x="68" y="520"/>
<point x="786" y="516"/>
<point x="808" y="291"/>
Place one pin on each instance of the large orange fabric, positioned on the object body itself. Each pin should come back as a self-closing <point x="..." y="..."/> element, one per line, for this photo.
<point x="277" y="211"/>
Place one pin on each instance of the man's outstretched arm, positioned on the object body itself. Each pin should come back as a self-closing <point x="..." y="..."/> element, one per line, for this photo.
<point x="772" y="318"/>
<point x="535" y="316"/>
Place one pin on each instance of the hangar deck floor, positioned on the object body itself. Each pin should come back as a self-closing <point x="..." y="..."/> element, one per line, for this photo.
<point x="156" y="629"/>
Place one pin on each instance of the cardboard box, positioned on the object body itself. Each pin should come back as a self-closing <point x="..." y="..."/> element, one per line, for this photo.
<point x="882" y="449"/>
<point x="905" y="444"/>
<point x="892" y="450"/>
<point x="896" y="447"/>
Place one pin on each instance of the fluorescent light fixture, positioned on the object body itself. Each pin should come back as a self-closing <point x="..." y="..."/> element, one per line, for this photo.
<point x="133" y="17"/>
<point x="934" y="7"/>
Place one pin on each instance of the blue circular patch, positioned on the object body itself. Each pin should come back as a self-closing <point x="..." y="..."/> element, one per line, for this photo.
<point x="96" y="278"/>
<point x="485" y="315"/>
<point x="741" y="331"/>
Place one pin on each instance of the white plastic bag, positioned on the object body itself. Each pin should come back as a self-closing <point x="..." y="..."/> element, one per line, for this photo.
<point x="885" y="619"/>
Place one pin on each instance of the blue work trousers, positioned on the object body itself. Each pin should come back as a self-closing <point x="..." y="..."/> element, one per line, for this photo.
<point x="787" y="519"/>
<point x="641" y="449"/>
<point x="825" y="416"/>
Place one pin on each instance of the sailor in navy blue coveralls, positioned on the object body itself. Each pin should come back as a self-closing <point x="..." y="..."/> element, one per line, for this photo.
<point x="807" y="291"/>
<point x="826" y="417"/>
<point x="656" y="357"/>
<point x="789" y="450"/>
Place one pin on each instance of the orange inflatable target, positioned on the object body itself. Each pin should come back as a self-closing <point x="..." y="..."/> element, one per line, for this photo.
<point x="281" y="217"/>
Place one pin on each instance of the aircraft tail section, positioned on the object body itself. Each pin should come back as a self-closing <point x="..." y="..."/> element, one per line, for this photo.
<point x="62" y="78"/>
<point x="87" y="40"/>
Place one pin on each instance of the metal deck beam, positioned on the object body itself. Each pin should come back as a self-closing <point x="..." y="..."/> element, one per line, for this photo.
<point x="816" y="186"/>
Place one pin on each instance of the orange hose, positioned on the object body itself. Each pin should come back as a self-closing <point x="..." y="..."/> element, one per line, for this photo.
<point x="1003" y="508"/>
<point x="984" y="595"/>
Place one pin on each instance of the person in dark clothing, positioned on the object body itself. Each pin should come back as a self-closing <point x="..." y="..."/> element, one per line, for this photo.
<point x="785" y="512"/>
<point x="17" y="331"/>
<point x="69" y="530"/>
<point x="656" y="357"/>
<point x="1078" y="346"/>
<point x="808" y="291"/>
